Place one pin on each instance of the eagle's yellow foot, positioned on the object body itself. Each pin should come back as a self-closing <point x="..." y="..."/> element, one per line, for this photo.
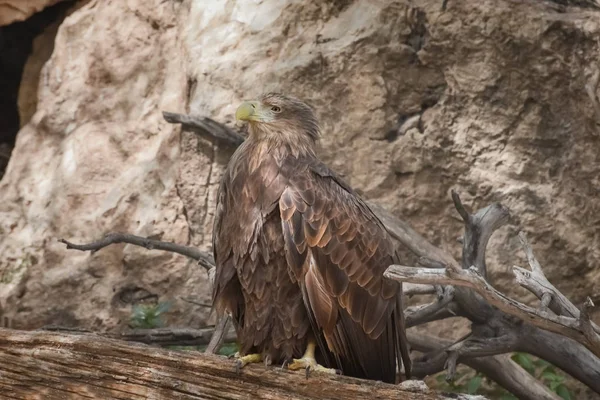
<point x="242" y="361"/>
<point x="309" y="363"/>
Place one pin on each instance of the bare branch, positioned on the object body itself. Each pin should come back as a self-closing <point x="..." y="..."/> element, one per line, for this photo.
<point x="423" y="276"/>
<point x="478" y="347"/>
<point x="569" y="327"/>
<point x="468" y="347"/>
<point x="565" y="353"/>
<point x="198" y="303"/>
<point x="412" y="289"/>
<point x="427" y="262"/>
<point x="437" y="310"/>
<point x="545" y="301"/>
<point x="536" y="268"/>
<point x="537" y="283"/>
<point x="171" y="336"/>
<point x="500" y="369"/>
<point x="479" y="228"/>
<point x="589" y="329"/>
<point x="58" y="328"/>
<point x="207" y="128"/>
<point x="460" y="207"/>
<point x="419" y="317"/>
<point x="219" y="336"/>
<point x="206" y="260"/>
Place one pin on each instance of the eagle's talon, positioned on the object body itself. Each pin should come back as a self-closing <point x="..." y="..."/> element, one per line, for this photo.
<point x="267" y="360"/>
<point x="309" y="364"/>
<point x="242" y="361"/>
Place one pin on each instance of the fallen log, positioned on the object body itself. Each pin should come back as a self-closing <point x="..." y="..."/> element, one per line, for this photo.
<point x="50" y="365"/>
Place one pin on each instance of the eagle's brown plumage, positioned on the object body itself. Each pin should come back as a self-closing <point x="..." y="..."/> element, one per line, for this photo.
<point x="299" y="255"/>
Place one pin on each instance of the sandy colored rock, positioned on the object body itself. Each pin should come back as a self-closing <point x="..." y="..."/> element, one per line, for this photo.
<point x="488" y="98"/>
<point x="99" y="155"/>
<point x="19" y="10"/>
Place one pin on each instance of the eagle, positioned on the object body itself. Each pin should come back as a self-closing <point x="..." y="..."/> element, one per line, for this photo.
<point x="300" y="256"/>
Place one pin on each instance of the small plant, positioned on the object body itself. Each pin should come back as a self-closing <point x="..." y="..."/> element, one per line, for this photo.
<point x="148" y="316"/>
<point x="545" y="372"/>
<point x="472" y="382"/>
<point x="467" y="380"/>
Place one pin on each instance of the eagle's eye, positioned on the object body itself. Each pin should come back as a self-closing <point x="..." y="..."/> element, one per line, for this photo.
<point x="276" y="109"/>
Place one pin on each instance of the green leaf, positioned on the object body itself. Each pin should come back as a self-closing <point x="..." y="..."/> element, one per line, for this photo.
<point x="474" y="384"/>
<point x="563" y="392"/>
<point x="552" y="377"/>
<point x="553" y="385"/>
<point x="524" y="360"/>
<point x="148" y="316"/>
<point x="508" y="396"/>
<point x="550" y="368"/>
<point x="542" y="363"/>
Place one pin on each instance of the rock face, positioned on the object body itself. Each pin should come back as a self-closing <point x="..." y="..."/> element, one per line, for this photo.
<point x="496" y="99"/>
<point x="19" y="10"/>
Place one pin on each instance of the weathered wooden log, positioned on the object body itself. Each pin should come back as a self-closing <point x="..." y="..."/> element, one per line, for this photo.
<point x="48" y="365"/>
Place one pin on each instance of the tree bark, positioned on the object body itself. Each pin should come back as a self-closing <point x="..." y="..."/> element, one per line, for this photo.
<point x="48" y="365"/>
<point x="501" y="369"/>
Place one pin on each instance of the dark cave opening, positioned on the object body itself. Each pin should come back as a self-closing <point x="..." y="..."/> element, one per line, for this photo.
<point x="16" y="45"/>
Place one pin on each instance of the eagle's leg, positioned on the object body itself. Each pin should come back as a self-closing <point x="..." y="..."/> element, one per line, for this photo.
<point x="242" y="361"/>
<point x="309" y="362"/>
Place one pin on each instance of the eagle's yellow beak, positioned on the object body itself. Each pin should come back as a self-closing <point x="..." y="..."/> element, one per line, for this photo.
<point x="248" y="111"/>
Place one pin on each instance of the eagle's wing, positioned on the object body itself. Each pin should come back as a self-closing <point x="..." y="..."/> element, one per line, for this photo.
<point x="338" y="250"/>
<point x="227" y="292"/>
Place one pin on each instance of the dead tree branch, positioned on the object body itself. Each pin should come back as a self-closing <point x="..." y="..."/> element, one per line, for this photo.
<point x="204" y="259"/>
<point x="474" y="298"/>
<point x="207" y="128"/>
<point x="479" y="228"/>
<point x="570" y="327"/>
<point x="412" y="289"/>
<point x="220" y="335"/>
<point x="173" y="336"/>
<point x="476" y="347"/>
<point x="536" y="282"/>
<point x="42" y="364"/>
<point x="500" y="369"/>
<point x="440" y="309"/>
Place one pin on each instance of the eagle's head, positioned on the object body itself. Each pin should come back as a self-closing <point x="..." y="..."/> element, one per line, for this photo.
<point x="274" y="114"/>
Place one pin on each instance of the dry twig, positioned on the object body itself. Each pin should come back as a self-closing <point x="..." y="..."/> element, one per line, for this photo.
<point x="204" y="259"/>
<point x="207" y="128"/>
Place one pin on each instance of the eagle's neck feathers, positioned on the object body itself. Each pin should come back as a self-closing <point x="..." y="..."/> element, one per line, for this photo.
<point x="280" y="142"/>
